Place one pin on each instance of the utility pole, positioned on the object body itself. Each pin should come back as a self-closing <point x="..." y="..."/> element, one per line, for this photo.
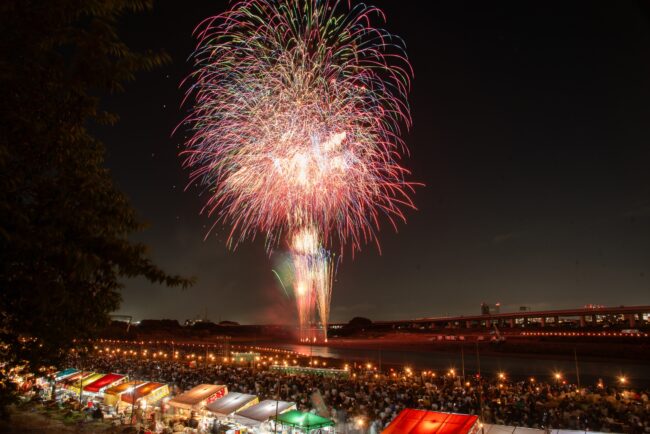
<point x="380" y="371"/>
<point x="478" y="361"/>
<point x="53" y="387"/>
<point x="80" y="378"/>
<point x="575" y="358"/>
<point x="132" y="402"/>
<point x="462" y="359"/>
<point x="480" y="380"/>
<point x="277" y="402"/>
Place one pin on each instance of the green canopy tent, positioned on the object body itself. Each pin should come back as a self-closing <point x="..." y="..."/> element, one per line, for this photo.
<point x="325" y="372"/>
<point x="306" y="422"/>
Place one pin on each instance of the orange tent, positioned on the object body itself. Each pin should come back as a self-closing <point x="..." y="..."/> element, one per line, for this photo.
<point x="432" y="422"/>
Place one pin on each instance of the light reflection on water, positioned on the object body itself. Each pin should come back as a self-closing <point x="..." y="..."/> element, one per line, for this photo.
<point x="515" y="366"/>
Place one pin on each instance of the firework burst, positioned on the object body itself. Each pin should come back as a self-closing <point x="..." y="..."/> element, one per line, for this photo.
<point x="298" y="110"/>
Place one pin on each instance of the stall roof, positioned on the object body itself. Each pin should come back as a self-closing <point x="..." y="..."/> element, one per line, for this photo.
<point x="231" y="403"/>
<point x="411" y="421"/>
<point x="264" y="410"/>
<point x="195" y="395"/>
<point x="303" y="420"/>
<point x="568" y="431"/>
<point x="325" y="372"/>
<point x="74" y="386"/>
<point x="141" y="391"/>
<point x="77" y="376"/>
<point x="65" y="373"/>
<point x="124" y="387"/>
<point x="103" y="382"/>
<point x="504" y="429"/>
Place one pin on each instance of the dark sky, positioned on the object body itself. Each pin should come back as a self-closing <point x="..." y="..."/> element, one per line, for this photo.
<point x="531" y="133"/>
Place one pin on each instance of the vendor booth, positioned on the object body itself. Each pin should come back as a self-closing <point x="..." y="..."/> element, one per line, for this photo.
<point x="505" y="429"/>
<point x="248" y="357"/>
<point x="231" y="403"/>
<point x="62" y="375"/>
<point x="304" y="422"/>
<point x="112" y="395"/>
<point x="83" y="382"/>
<point x="509" y="429"/>
<point x="411" y="421"/>
<point x="74" y="378"/>
<point x="256" y="415"/>
<point x="570" y="431"/>
<point x="149" y="392"/>
<point x="303" y="370"/>
<point x="198" y="397"/>
<point x="99" y="386"/>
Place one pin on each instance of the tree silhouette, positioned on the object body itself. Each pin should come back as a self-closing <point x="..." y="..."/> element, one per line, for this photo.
<point x="64" y="226"/>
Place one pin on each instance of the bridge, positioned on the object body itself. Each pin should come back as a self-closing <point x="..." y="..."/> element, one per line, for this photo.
<point x="630" y="316"/>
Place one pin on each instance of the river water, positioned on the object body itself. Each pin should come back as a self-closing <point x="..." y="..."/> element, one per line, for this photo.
<point x="636" y="372"/>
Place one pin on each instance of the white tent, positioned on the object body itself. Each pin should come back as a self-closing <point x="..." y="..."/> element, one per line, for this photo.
<point x="569" y="431"/>
<point x="231" y="403"/>
<point x="504" y="429"/>
<point x="260" y="413"/>
<point x="197" y="397"/>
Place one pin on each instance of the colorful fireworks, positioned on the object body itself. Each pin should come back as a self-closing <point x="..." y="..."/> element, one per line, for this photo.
<point x="313" y="270"/>
<point x="298" y="110"/>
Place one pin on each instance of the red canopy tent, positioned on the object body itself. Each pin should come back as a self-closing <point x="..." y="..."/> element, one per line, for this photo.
<point x="103" y="383"/>
<point x="432" y="422"/>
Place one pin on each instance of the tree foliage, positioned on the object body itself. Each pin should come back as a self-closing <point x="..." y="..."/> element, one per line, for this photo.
<point x="359" y="322"/>
<point x="64" y="226"/>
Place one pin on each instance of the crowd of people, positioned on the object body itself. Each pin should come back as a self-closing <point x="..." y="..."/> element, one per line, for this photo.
<point x="372" y="399"/>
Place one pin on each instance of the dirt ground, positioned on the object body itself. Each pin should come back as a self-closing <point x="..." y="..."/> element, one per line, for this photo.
<point x="35" y="421"/>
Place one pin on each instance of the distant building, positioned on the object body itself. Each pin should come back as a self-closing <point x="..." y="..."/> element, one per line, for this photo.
<point x="490" y="309"/>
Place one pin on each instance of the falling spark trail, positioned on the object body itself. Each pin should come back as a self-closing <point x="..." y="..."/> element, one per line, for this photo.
<point x="281" y="283"/>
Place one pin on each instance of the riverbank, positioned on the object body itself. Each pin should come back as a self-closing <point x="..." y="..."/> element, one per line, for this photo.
<point x="519" y="346"/>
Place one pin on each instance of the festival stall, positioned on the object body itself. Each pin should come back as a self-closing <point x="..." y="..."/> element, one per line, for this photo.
<point x="74" y="378"/>
<point x="109" y="380"/>
<point x="231" y="403"/>
<point x="248" y="357"/>
<point x="221" y="412"/>
<point x="62" y="375"/>
<point x="324" y="372"/>
<point x="150" y="393"/>
<point x="256" y="415"/>
<point x="570" y="431"/>
<point x="504" y="429"/>
<point x="83" y="382"/>
<point x="411" y="421"/>
<point x="197" y="398"/>
<point x="303" y="422"/>
<point x="48" y="381"/>
<point x="112" y="395"/>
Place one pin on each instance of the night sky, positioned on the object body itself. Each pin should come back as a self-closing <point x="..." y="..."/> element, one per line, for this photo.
<point x="531" y="133"/>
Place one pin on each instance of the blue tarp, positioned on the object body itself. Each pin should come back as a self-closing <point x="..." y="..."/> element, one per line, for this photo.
<point x="65" y="373"/>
